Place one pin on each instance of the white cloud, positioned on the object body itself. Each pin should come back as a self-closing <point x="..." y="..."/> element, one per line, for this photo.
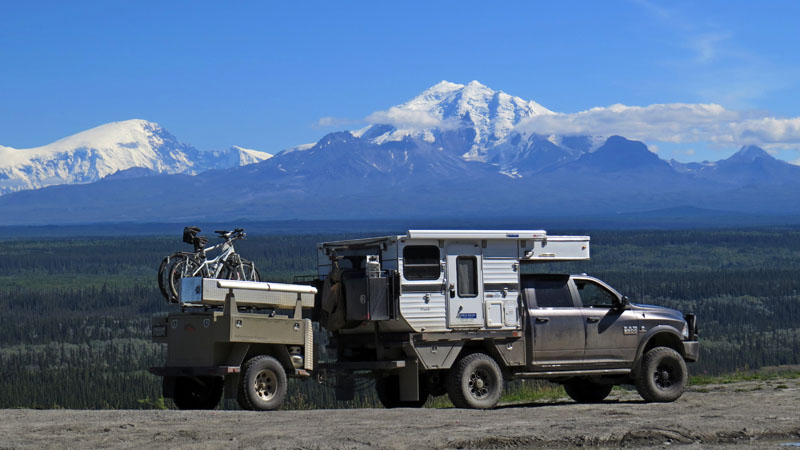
<point x="334" y="122"/>
<point x="672" y="122"/>
<point x="404" y="118"/>
<point x="707" y="45"/>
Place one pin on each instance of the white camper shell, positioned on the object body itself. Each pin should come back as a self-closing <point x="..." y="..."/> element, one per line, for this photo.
<point x="443" y="280"/>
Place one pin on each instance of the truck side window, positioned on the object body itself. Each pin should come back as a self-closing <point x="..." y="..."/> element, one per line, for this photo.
<point x="552" y="293"/>
<point x="421" y="262"/>
<point x="593" y="295"/>
<point x="467" y="275"/>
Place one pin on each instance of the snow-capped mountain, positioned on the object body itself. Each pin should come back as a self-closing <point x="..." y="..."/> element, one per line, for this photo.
<point x="96" y="153"/>
<point x="476" y="123"/>
<point x="445" y="109"/>
<point x="243" y="156"/>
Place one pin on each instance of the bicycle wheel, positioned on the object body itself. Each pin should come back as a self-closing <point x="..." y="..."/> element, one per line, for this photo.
<point x="164" y="271"/>
<point x="162" y="277"/>
<point x="240" y="269"/>
<point x="183" y="267"/>
<point x="249" y="271"/>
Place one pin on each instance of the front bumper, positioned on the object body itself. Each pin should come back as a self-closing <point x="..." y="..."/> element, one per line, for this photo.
<point x="691" y="350"/>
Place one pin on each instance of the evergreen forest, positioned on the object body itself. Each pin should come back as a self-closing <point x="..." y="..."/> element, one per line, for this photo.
<point x="75" y="311"/>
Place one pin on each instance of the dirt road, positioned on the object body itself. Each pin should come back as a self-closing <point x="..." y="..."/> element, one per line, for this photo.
<point x="762" y="414"/>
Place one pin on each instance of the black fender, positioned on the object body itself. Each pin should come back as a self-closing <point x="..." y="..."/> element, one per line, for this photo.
<point x="660" y="335"/>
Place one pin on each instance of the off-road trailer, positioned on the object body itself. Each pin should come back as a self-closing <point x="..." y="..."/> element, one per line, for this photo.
<point x="241" y="337"/>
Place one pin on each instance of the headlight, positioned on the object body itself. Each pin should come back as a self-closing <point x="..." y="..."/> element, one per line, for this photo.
<point x="685" y="332"/>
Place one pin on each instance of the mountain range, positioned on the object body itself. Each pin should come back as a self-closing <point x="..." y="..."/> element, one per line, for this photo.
<point x="454" y="151"/>
<point x="105" y="150"/>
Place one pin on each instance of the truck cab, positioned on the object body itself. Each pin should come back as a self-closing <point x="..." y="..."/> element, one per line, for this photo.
<point x="580" y="321"/>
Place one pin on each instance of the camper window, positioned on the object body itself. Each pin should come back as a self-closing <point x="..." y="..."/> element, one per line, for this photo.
<point x="467" y="273"/>
<point x="421" y="262"/>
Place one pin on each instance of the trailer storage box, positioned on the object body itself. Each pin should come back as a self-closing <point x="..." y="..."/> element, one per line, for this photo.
<point x="204" y="291"/>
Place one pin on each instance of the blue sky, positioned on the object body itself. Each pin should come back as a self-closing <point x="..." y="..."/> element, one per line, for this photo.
<point x="261" y="75"/>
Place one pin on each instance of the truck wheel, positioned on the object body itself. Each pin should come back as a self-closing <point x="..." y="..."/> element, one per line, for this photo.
<point x="197" y="392"/>
<point x="475" y="382"/>
<point x="585" y="391"/>
<point x="388" y="390"/>
<point x="262" y="384"/>
<point x="662" y="376"/>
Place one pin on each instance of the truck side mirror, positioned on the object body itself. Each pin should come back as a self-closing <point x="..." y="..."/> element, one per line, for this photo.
<point x="623" y="302"/>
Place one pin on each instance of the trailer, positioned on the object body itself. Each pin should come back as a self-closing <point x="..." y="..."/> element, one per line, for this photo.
<point x="240" y="338"/>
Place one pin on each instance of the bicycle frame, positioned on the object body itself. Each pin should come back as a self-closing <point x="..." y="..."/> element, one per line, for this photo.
<point x="212" y="268"/>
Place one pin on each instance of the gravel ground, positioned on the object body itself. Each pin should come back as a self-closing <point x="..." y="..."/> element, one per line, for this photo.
<point x="755" y="414"/>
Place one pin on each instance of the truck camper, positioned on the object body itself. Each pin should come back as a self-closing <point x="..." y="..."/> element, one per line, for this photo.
<point x="457" y="312"/>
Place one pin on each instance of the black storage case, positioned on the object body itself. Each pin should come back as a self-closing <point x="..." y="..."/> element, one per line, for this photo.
<point x="366" y="298"/>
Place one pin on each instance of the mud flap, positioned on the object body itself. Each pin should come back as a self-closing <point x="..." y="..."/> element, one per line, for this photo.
<point x="409" y="381"/>
<point x="232" y="385"/>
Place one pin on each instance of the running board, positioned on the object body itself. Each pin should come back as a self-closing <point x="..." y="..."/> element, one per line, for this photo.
<point x="572" y="373"/>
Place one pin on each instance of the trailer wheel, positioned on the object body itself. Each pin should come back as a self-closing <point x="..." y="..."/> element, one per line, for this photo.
<point x="197" y="392"/>
<point x="475" y="382"/>
<point x="662" y="376"/>
<point x="388" y="390"/>
<point x="262" y="384"/>
<point x="585" y="391"/>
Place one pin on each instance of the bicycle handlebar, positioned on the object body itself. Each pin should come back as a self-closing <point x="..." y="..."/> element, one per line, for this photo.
<point x="239" y="232"/>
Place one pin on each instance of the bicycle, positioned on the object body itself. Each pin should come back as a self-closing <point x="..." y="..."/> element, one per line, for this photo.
<point x="226" y="265"/>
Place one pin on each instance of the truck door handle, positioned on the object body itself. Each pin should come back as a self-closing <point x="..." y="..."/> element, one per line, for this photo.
<point x="542" y="319"/>
<point x="593" y="319"/>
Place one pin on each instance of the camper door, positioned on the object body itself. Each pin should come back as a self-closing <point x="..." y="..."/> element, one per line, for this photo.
<point x="464" y="286"/>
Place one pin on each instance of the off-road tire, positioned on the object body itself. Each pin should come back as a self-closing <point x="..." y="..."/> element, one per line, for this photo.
<point x="240" y="396"/>
<point x="388" y="390"/>
<point x="585" y="391"/>
<point x="662" y="375"/>
<point x="197" y="392"/>
<point x="262" y="384"/>
<point x="476" y="382"/>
